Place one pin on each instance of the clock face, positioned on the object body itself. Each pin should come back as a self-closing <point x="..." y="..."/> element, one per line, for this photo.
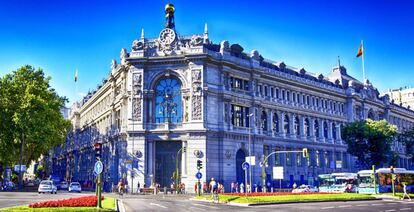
<point x="167" y="36"/>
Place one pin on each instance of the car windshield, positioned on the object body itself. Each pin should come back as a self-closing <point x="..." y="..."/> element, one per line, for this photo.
<point x="75" y="184"/>
<point x="46" y="183"/>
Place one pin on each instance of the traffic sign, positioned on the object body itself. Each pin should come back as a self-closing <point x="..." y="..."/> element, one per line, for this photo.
<point x="98" y="167"/>
<point x="278" y="172"/>
<point x="199" y="175"/>
<point x="245" y="165"/>
<point x="17" y="168"/>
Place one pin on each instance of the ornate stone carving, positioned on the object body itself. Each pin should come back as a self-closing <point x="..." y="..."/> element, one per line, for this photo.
<point x="196" y="40"/>
<point x="255" y="55"/>
<point x="137" y="84"/>
<point x="224" y="46"/>
<point x="137" y="45"/>
<point x="114" y="64"/>
<point x="136" y="109"/>
<point x="196" y="94"/>
<point x="123" y="55"/>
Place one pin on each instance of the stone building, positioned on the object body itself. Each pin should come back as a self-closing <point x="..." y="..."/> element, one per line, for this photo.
<point x="403" y="97"/>
<point x="215" y="99"/>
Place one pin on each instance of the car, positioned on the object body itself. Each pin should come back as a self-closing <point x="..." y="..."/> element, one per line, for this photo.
<point x="64" y="185"/>
<point x="75" y="186"/>
<point x="47" y="186"/>
<point x="305" y="188"/>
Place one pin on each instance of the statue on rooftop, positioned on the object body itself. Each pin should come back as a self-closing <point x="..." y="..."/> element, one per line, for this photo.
<point x="169" y="16"/>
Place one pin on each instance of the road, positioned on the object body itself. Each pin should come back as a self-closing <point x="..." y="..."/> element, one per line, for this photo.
<point x="177" y="203"/>
<point x="9" y="199"/>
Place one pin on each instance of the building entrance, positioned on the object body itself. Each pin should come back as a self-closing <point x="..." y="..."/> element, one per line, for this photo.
<point x="165" y="161"/>
<point x="240" y="158"/>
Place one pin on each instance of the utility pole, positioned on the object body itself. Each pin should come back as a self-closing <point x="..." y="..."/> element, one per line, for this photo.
<point x="250" y="155"/>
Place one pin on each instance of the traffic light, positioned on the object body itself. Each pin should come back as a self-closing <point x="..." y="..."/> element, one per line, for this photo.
<point x="98" y="150"/>
<point x="199" y="164"/>
<point x="305" y="152"/>
<point x="184" y="149"/>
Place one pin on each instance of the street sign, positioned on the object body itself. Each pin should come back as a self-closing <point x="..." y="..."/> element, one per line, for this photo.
<point x="278" y="172"/>
<point x="98" y="167"/>
<point x="251" y="160"/>
<point x="339" y="164"/>
<point x="199" y="175"/>
<point x="17" y="168"/>
<point x="245" y="165"/>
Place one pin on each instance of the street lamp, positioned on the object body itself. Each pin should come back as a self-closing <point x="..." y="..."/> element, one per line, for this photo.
<point x="250" y="156"/>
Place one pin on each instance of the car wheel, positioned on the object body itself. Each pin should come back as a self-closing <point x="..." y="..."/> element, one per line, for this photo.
<point x="40" y="192"/>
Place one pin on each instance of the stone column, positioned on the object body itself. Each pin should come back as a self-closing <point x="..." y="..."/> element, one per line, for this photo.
<point x="312" y="128"/>
<point x="270" y="122"/>
<point x="302" y="135"/>
<point x="321" y="134"/>
<point x="330" y="137"/>
<point x="150" y="163"/>
<point x="281" y="130"/>
<point x="291" y="125"/>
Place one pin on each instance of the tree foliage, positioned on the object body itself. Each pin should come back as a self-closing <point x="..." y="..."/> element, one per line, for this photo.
<point x="29" y="111"/>
<point x="370" y="141"/>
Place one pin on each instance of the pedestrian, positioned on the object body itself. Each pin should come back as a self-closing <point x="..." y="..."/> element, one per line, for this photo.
<point x="213" y="186"/>
<point x="236" y="185"/>
<point x="232" y="187"/>
<point x="205" y="187"/>
<point x="405" y="192"/>
<point x="241" y="188"/>
<point x="294" y="185"/>
<point x="138" y="187"/>
<point x="172" y="186"/>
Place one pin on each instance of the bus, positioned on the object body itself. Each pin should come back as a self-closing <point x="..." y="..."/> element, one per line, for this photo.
<point x="384" y="180"/>
<point x="338" y="182"/>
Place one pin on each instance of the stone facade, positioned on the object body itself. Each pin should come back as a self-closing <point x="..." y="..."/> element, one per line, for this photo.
<point x="227" y="100"/>
<point x="403" y="97"/>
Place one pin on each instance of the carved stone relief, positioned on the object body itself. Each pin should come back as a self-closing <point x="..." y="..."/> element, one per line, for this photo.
<point x="136" y="109"/>
<point x="196" y="94"/>
<point x="136" y="96"/>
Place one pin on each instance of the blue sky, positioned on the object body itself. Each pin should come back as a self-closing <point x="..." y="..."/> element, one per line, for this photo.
<point x="61" y="36"/>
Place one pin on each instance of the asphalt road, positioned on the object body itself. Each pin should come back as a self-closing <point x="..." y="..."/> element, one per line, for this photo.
<point x="174" y="203"/>
<point x="9" y="199"/>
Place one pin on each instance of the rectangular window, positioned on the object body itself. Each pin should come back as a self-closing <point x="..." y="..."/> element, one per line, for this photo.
<point x="294" y="97"/>
<point x="318" y="159"/>
<point x="288" y="157"/>
<point x="344" y="161"/>
<point x="266" y="150"/>
<point x="278" y="162"/>
<point x="231" y="82"/>
<point x="283" y="94"/>
<point x="246" y="85"/>
<point x="265" y="90"/>
<point x="299" y="158"/>
<point x="272" y="92"/>
<point x="277" y="93"/>
<point x="260" y="89"/>
<point x="288" y="95"/>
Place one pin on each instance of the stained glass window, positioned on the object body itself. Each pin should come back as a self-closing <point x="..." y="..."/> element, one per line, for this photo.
<point x="168" y="102"/>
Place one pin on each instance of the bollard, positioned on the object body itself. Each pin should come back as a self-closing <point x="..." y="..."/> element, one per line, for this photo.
<point x="165" y="190"/>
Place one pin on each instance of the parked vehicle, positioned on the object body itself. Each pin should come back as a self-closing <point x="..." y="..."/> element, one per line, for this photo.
<point x="47" y="186"/>
<point x="305" y="188"/>
<point x="64" y="185"/>
<point x="75" y="187"/>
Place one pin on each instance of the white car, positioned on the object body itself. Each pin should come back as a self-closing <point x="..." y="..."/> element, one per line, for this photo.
<point x="75" y="186"/>
<point x="305" y="188"/>
<point x="64" y="185"/>
<point x="47" y="186"/>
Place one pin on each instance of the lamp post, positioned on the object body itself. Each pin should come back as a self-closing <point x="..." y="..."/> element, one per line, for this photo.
<point x="250" y="156"/>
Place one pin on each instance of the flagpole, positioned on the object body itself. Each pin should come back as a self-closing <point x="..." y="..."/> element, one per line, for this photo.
<point x="363" y="64"/>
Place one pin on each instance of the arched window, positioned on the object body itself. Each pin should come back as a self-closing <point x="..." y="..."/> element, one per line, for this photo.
<point x="264" y="120"/>
<point x="275" y="123"/>
<point x="306" y="123"/>
<point x="334" y="131"/>
<point x="296" y="126"/>
<point x="325" y="129"/>
<point x="286" y="124"/>
<point x="316" y="129"/>
<point x="168" y="102"/>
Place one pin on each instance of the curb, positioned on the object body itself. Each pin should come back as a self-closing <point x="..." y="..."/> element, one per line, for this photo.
<point x="279" y="203"/>
<point x="302" y="202"/>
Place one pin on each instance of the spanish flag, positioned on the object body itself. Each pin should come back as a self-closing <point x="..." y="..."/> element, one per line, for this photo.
<point x="76" y="75"/>
<point x="360" y="50"/>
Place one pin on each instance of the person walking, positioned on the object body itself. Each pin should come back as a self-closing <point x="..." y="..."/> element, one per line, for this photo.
<point x="405" y="192"/>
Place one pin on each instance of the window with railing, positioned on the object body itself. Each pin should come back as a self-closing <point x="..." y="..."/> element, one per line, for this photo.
<point x="239" y="116"/>
<point x="168" y="101"/>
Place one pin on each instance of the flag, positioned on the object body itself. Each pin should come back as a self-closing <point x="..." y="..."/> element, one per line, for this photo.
<point x="360" y="50"/>
<point x="76" y="75"/>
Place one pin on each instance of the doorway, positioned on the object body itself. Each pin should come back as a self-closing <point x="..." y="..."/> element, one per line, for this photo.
<point x="240" y="158"/>
<point x="165" y="161"/>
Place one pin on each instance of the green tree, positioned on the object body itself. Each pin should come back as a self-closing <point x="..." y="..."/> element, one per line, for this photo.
<point x="370" y="141"/>
<point x="29" y="115"/>
<point x="407" y="138"/>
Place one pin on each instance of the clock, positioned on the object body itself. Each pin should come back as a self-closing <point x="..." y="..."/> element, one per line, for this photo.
<point x="167" y="36"/>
